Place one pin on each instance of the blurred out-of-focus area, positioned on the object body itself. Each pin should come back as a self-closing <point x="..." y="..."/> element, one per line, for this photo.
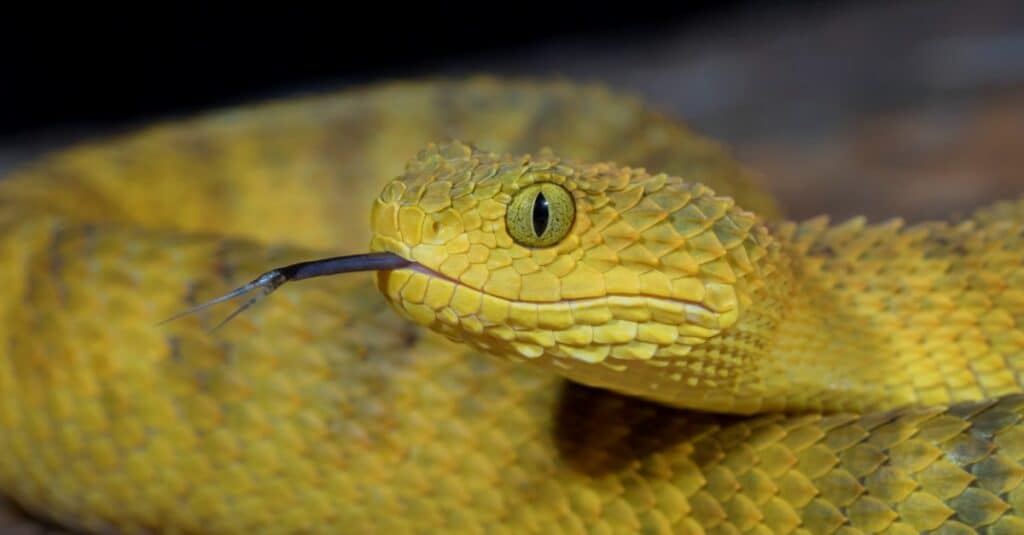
<point x="882" y="108"/>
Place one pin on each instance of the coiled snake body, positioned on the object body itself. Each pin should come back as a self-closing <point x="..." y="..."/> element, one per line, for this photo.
<point x="743" y="374"/>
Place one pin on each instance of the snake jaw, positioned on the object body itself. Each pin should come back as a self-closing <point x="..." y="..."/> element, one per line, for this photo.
<point x="636" y="345"/>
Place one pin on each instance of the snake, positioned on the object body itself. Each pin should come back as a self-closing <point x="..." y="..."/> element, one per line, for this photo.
<point x="571" y="313"/>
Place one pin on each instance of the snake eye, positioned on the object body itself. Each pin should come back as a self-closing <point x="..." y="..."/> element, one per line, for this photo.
<point x="540" y="215"/>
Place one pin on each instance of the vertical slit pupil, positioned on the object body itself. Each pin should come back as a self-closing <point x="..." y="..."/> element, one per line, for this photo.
<point x="540" y="215"/>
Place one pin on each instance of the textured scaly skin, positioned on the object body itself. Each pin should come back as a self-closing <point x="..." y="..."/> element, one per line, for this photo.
<point x="323" y="410"/>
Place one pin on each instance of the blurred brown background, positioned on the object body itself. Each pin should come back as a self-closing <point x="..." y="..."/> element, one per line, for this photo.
<point x="912" y="109"/>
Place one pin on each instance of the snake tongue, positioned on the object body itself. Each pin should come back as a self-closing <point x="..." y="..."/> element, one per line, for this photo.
<point x="273" y="279"/>
<point x="341" y="264"/>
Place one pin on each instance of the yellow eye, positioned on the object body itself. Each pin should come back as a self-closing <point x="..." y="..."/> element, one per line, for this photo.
<point x="540" y="215"/>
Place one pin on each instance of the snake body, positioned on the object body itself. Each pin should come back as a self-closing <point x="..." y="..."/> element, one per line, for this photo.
<point x="731" y="372"/>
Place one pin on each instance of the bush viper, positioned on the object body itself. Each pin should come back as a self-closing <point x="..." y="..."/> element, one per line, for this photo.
<point x="729" y="371"/>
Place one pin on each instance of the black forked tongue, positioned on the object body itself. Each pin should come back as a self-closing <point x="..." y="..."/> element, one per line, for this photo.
<point x="273" y="279"/>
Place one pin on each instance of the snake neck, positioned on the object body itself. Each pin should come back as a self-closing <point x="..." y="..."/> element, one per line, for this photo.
<point x="807" y="342"/>
<point x="857" y="317"/>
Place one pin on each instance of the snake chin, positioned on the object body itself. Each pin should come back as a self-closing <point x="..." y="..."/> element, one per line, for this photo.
<point x="647" y="341"/>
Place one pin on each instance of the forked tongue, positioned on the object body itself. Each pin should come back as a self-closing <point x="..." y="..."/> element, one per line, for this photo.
<point x="273" y="279"/>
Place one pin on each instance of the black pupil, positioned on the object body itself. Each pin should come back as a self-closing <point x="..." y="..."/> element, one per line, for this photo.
<point x="540" y="215"/>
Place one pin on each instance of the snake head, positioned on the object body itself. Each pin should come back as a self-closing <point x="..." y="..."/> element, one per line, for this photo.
<point x="566" y="263"/>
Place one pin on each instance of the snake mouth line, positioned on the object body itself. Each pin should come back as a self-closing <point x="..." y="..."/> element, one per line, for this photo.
<point x="424" y="270"/>
<point x="420" y="268"/>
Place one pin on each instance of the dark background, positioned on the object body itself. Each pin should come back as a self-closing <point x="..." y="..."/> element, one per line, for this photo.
<point x="79" y="65"/>
<point x="89" y="66"/>
<point x="911" y="108"/>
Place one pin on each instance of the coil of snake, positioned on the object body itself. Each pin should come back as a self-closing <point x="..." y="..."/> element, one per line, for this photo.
<point x="728" y="371"/>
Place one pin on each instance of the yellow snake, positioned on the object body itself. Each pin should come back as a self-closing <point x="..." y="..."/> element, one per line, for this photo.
<point x="729" y="372"/>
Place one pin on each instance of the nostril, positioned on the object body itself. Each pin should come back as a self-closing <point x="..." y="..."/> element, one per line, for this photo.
<point x="436" y="226"/>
